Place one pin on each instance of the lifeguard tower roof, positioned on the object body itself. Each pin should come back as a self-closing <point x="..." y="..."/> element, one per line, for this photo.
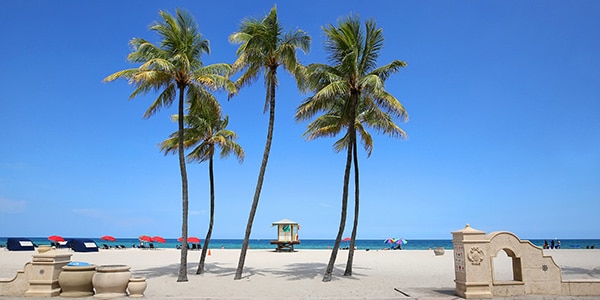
<point x="285" y="222"/>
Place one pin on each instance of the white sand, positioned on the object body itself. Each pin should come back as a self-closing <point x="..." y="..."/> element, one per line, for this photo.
<point x="271" y="275"/>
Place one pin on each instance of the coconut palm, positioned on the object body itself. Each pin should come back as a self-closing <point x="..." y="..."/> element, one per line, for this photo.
<point x="174" y="68"/>
<point x="206" y="132"/>
<point x="264" y="48"/>
<point x="348" y="91"/>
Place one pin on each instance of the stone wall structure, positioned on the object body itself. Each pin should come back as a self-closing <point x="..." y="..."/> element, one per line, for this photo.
<point x="533" y="273"/>
<point x="39" y="278"/>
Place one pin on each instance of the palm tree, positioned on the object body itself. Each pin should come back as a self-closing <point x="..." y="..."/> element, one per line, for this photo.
<point x="368" y="116"/>
<point x="206" y="131"/>
<point x="351" y="86"/>
<point x="263" y="48"/>
<point x="174" y="67"/>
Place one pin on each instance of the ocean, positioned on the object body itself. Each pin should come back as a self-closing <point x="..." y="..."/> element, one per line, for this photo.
<point x="313" y="243"/>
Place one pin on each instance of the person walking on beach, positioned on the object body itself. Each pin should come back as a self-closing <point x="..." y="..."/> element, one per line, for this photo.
<point x="552" y="244"/>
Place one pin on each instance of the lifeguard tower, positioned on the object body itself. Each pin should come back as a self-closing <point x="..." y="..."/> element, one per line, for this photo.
<point x="287" y="235"/>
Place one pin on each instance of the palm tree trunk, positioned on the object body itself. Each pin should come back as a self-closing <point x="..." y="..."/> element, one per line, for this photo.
<point x="184" y="190"/>
<point x="348" y="271"/>
<point x="338" y="239"/>
<point x="261" y="177"/>
<point x="212" y="216"/>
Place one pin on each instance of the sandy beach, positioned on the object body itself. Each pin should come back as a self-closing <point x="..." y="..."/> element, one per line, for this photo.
<point x="270" y="275"/>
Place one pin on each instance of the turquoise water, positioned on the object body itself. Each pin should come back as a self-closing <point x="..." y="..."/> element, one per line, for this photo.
<point x="316" y="244"/>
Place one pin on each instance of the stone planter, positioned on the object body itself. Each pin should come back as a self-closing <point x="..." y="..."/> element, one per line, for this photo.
<point x="43" y="248"/>
<point x="76" y="281"/>
<point x="136" y="287"/>
<point x="438" y="251"/>
<point x="111" y="281"/>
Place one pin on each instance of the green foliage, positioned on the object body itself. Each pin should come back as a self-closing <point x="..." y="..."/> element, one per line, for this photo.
<point x="205" y="131"/>
<point x="350" y="92"/>
<point x="263" y="48"/>
<point x="174" y="64"/>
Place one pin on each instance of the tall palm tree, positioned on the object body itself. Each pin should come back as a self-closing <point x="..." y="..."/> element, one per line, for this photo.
<point x="351" y="85"/>
<point x="174" y="68"/>
<point x="263" y="48"/>
<point x="206" y="131"/>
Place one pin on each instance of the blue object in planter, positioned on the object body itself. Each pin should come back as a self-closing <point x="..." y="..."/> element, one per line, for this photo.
<point x="78" y="263"/>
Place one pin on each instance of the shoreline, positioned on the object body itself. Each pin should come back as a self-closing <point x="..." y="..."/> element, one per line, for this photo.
<point x="322" y="244"/>
<point x="377" y="274"/>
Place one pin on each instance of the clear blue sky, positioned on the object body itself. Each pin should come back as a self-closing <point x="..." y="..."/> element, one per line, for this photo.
<point x="504" y="132"/>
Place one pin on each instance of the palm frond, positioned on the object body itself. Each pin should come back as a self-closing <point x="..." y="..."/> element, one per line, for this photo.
<point x="385" y="71"/>
<point x="127" y="74"/>
<point x="165" y="99"/>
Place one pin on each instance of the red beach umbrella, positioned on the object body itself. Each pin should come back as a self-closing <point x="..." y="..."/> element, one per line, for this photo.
<point x="346" y="239"/>
<point x="145" y="238"/>
<point x="108" y="238"/>
<point x="56" y="238"/>
<point x="158" y="239"/>
<point x="191" y="239"/>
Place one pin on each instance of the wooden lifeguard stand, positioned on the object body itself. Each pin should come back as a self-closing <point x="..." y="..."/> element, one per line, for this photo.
<point x="287" y="235"/>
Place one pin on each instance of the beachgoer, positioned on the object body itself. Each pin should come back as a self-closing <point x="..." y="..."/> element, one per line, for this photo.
<point x="552" y="244"/>
<point x="545" y="244"/>
<point x="557" y="244"/>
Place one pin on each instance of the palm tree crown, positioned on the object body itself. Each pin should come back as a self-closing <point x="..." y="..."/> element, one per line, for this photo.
<point x="205" y="132"/>
<point x="264" y="47"/>
<point x="352" y="73"/>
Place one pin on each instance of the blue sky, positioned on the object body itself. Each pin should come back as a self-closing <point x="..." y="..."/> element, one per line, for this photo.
<point x="504" y="133"/>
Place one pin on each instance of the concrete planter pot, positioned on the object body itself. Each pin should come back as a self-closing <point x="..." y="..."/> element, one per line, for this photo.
<point x="111" y="281"/>
<point x="76" y="281"/>
<point x="43" y="248"/>
<point x="438" y="251"/>
<point x="136" y="287"/>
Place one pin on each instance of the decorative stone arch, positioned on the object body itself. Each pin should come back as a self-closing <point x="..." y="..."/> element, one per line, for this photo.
<point x="513" y="247"/>
<point x="516" y="266"/>
<point x="532" y="271"/>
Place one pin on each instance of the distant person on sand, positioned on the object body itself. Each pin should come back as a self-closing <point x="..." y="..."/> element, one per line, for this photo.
<point x="545" y="244"/>
<point x="557" y="244"/>
<point x="552" y="244"/>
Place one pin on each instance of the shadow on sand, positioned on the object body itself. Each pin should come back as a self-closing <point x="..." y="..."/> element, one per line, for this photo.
<point x="292" y="272"/>
<point x="595" y="273"/>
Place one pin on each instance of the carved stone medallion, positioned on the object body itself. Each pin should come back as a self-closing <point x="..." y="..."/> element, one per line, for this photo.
<point x="475" y="255"/>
